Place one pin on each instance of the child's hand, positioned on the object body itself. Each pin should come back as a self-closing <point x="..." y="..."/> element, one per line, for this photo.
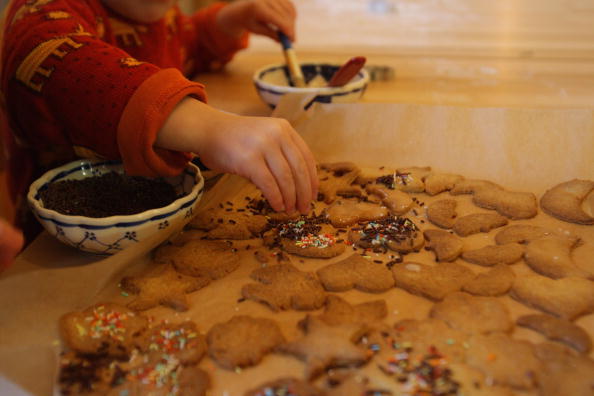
<point x="258" y="16"/>
<point x="11" y="242"/>
<point x="265" y="150"/>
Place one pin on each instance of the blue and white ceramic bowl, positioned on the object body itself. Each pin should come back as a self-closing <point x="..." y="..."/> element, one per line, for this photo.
<point x="272" y="82"/>
<point x="109" y="235"/>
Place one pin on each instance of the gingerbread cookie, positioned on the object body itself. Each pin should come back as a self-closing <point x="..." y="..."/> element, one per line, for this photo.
<point x="506" y="361"/>
<point x="356" y="272"/>
<point x="405" y="179"/>
<point x="491" y="255"/>
<point x="287" y="386"/>
<point x="103" y="328"/>
<point x="513" y="205"/>
<point x="473" y="382"/>
<point x="163" y="285"/>
<point x="243" y="341"/>
<point x="495" y="282"/>
<point x="567" y="298"/>
<point x="564" y="201"/>
<point x="344" y="213"/>
<point x="556" y="329"/>
<point x="337" y="179"/>
<point x="283" y="287"/>
<point x="398" y="202"/>
<point x="564" y="373"/>
<point x="552" y="257"/>
<point x="445" y="245"/>
<point x="433" y="282"/>
<point x="325" y="346"/>
<point x="469" y="186"/>
<point x="436" y="183"/>
<point x="88" y="374"/>
<point x="201" y="258"/>
<point x="396" y="233"/>
<point x="223" y="224"/>
<point x="338" y="311"/>
<point x="442" y="213"/>
<point x="471" y="314"/>
<point x="478" y="222"/>
<point x="180" y="340"/>
<point x="524" y="233"/>
<point x="307" y="237"/>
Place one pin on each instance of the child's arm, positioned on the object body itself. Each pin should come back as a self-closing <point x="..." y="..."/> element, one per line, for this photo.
<point x="11" y="242"/>
<point x="267" y="151"/>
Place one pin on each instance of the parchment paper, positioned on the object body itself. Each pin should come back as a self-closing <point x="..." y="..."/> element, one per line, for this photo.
<point x="525" y="150"/>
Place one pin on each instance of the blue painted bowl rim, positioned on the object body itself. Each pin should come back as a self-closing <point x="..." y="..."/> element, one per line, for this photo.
<point x="121" y="221"/>
<point x="353" y="86"/>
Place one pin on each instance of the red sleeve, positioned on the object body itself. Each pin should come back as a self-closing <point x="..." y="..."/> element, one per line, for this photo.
<point x="64" y="86"/>
<point x="213" y="48"/>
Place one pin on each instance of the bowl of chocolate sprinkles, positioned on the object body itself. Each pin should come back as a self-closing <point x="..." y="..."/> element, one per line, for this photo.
<point x="95" y="207"/>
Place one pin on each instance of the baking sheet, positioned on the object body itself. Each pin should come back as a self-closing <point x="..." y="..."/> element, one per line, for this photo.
<point x="525" y="150"/>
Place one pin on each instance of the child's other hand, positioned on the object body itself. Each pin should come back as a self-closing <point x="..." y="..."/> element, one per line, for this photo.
<point x="268" y="151"/>
<point x="11" y="242"/>
<point x="258" y="16"/>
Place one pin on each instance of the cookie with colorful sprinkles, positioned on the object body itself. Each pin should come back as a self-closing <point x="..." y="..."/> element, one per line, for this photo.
<point x="308" y="236"/>
<point x="395" y="233"/>
<point x="105" y="328"/>
<point x="182" y="340"/>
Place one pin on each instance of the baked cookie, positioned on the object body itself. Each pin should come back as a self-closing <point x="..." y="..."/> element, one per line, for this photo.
<point x="473" y="382"/>
<point x="442" y="213"/>
<point x="495" y="282"/>
<point x="163" y="285"/>
<point x="223" y="224"/>
<point x="181" y="340"/>
<point x="567" y="298"/>
<point x="472" y="315"/>
<point x="417" y="338"/>
<point x="564" y="373"/>
<point x="284" y="287"/>
<point x="564" y="201"/>
<point x="513" y="205"/>
<point x="524" y="233"/>
<point x="556" y="329"/>
<point x="287" y="386"/>
<point x="552" y="257"/>
<point x="469" y="186"/>
<point x="338" y="311"/>
<point x="396" y="233"/>
<point x="325" y="346"/>
<point x="491" y="255"/>
<point x="106" y="328"/>
<point x="436" y="183"/>
<point x="243" y="341"/>
<point x="478" y="222"/>
<point x="445" y="245"/>
<point x="433" y="282"/>
<point x="200" y="258"/>
<point x="92" y="375"/>
<point x="405" y="179"/>
<point x="356" y="272"/>
<point x="337" y="179"/>
<point x="306" y="237"/>
<point x="506" y="361"/>
<point x="344" y="213"/>
<point x="398" y="202"/>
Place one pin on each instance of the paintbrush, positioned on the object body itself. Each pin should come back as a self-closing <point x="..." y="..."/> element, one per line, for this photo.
<point x="295" y="74"/>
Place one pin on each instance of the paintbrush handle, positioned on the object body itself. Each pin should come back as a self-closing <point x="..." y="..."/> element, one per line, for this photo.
<point x="291" y="60"/>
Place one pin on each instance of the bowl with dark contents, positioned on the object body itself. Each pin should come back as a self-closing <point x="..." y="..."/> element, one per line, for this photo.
<point x="95" y="207"/>
<point x="273" y="81"/>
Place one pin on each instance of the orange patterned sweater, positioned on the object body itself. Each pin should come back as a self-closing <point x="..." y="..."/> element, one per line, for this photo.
<point x="78" y="79"/>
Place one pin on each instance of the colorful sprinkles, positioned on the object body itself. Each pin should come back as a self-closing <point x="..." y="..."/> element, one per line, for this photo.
<point x="106" y="323"/>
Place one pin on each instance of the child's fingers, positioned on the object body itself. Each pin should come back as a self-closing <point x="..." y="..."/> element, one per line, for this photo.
<point x="266" y="16"/>
<point x="300" y="175"/>
<point x="285" y="177"/>
<point x="310" y="163"/>
<point x="262" y="177"/>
